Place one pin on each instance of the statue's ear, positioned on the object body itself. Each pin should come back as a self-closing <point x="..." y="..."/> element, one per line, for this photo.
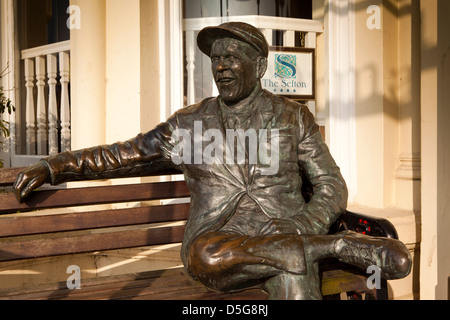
<point x="261" y="67"/>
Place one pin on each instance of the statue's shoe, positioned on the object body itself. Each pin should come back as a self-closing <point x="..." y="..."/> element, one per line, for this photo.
<point x="390" y="255"/>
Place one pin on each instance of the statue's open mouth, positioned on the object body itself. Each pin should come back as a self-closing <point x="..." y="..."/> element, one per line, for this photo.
<point x="225" y="80"/>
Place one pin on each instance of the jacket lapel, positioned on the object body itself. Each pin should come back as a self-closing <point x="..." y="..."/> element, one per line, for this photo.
<point x="212" y="119"/>
<point x="262" y="120"/>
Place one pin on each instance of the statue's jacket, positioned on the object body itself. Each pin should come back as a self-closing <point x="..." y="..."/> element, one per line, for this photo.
<point x="216" y="189"/>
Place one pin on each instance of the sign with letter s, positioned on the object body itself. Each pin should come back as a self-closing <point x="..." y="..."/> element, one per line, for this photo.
<point x="291" y="72"/>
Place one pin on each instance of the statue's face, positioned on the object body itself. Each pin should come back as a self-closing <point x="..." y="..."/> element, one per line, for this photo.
<point x="235" y="69"/>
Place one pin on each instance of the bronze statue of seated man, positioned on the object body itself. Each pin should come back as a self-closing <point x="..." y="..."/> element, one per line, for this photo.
<point x="248" y="221"/>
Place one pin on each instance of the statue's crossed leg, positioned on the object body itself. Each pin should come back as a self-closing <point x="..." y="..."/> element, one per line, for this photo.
<point x="287" y="264"/>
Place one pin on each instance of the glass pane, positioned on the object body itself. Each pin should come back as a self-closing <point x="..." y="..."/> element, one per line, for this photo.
<point x="42" y="22"/>
<point x="221" y="8"/>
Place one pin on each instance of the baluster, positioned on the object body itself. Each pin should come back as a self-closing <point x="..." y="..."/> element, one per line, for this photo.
<point x="190" y="59"/>
<point x="268" y="33"/>
<point x="30" y="118"/>
<point x="41" y="108"/>
<point x="64" y="71"/>
<point x="288" y="38"/>
<point x="52" y="105"/>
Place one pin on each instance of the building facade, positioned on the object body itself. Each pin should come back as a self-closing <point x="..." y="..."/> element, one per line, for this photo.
<point x="109" y="69"/>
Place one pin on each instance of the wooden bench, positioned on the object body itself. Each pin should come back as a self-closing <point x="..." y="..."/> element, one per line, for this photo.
<point x="36" y="235"/>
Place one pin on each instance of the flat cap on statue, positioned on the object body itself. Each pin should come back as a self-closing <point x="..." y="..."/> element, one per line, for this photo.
<point x="237" y="30"/>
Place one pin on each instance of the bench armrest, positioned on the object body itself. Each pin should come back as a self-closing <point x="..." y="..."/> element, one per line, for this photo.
<point x="369" y="225"/>
<point x="364" y="224"/>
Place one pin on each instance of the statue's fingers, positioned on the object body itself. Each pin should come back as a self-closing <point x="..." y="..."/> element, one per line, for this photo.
<point x="33" y="184"/>
<point x="19" y="185"/>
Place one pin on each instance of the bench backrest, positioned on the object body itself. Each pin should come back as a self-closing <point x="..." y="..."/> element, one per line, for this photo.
<point x="87" y="230"/>
<point x="40" y="233"/>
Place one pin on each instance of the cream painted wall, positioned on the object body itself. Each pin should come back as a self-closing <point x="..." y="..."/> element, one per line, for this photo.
<point x="150" y="65"/>
<point x="88" y="75"/>
<point x="123" y="62"/>
<point x="387" y="122"/>
<point x="429" y="77"/>
<point x="115" y="71"/>
<point x="387" y="106"/>
<point x="370" y="117"/>
<point x="391" y="51"/>
<point x="402" y="115"/>
<point x="408" y="172"/>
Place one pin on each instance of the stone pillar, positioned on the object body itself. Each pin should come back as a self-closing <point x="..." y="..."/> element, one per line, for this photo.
<point x="435" y="150"/>
<point x="408" y="165"/>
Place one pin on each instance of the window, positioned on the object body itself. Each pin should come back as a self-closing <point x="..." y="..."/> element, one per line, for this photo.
<point x="42" y="22"/>
<point x="198" y="82"/>
<point x="299" y="9"/>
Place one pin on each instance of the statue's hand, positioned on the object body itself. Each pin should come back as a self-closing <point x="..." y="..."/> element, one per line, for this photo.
<point x="30" y="179"/>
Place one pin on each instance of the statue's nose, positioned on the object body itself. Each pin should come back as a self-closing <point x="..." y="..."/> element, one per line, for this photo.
<point x="221" y="66"/>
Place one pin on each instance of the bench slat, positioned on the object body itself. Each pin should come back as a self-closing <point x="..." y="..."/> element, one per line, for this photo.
<point x="53" y="246"/>
<point x="49" y="199"/>
<point x="8" y="176"/>
<point x="28" y="225"/>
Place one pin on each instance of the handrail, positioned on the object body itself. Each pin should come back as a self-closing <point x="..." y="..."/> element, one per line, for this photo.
<point x="263" y="22"/>
<point x="46" y="49"/>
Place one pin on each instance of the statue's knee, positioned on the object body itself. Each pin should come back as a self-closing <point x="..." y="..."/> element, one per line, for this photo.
<point x="205" y="263"/>
<point x="201" y="256"/>
<point x="403" y="260"/>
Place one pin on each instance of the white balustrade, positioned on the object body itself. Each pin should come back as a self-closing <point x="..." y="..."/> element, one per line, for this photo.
<point x="65" y="106"/>
<point x="30" y="117"/>
<point x="47" y="122"/>
<point x="52" y="72"/>
<point x="195" y="62"/>
<point x="41" y="107"/>
<point x="289" y="38"/>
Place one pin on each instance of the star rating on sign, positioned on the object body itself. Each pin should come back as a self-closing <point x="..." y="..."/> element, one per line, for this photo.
<point x="281" y="90"/>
